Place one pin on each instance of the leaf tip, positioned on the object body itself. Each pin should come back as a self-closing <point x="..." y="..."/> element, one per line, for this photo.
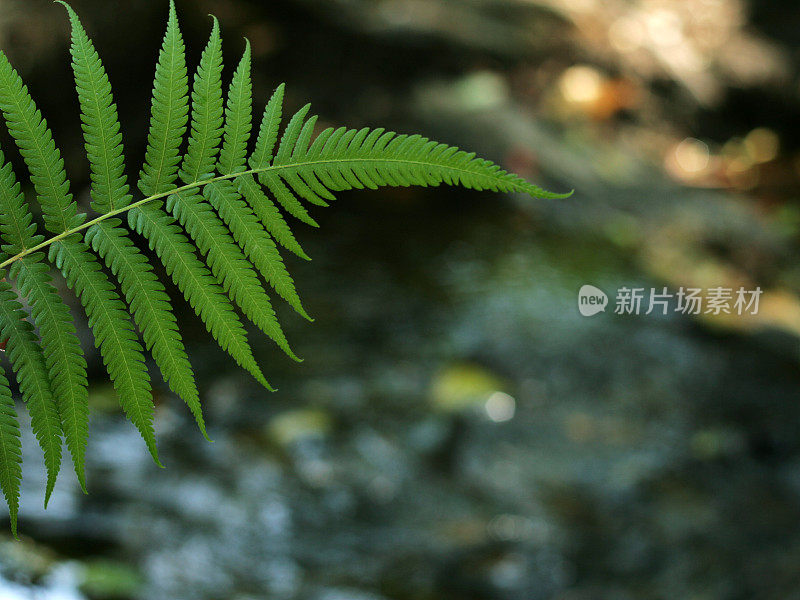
<point x="562" y="196"/>
<point x="172" y="19"/>
<point x="69" y="9"/>
<point x="215" y="26"/>
<point x="201" y="425"/>
<point x="73" y="16"/>
<point x="51" y="484"/>
<point x="262" y="380"/>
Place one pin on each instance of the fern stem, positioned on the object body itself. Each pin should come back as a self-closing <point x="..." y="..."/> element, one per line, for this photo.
<point x="198" y="184"/>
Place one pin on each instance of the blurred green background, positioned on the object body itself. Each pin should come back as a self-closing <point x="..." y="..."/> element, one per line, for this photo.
<point x="458" y="431"/>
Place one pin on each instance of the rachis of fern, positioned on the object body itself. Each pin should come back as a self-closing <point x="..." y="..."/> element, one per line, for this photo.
<point x="213" y="211"/>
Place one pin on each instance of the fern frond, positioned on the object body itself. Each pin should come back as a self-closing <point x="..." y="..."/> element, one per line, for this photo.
<point x="121" y="352"/>
<point x="238" y="118"/>
<point x="226" y="260"/>
<point x="62" y="353"/>
<point x="228" y="263"/>
<point x="32" y="135"/>
<point x="151" y="310"/>
<point x="268" y="214"/>
<point x="169" y="113"/>
<point x="10" y="452"/>
<point x="33" y="371"/>
<point x="359" y="159"/>
<point x="207" y="113"/>
<point x="142" y="289"/>
<point x="227" y="201"/>
<point x="268" y="132"/>
<point x="254" y="240"/>
<point x="27" y="361"/>
<point x="24" y="351"/>
<point x="113" y="333"/>
<point x="101" y="129"/>
<point x="198" y="285"/>
<point x="213" y="215"/>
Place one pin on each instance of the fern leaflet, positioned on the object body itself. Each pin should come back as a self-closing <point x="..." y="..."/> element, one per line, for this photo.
<point x="10" y="452"/>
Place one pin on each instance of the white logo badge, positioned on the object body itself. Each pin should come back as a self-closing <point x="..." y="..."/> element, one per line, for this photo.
<point x="591" y="300"/>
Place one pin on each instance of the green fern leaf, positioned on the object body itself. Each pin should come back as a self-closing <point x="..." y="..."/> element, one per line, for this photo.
<point x="151" y="310"/>
<point x="121" y="352"/>
<point x="238" y="118"/>
<point x="35" y="142"/>
<point x="62" y="352"/>
<point x="268" y="132"/>
<point x="219" y="236"/>
<point x="226" y="260"/>
<point x="33" y="372"/>
<point x="142" y="289"/>
<point x="355" y="159"/>
<point x="228" y="263"/>
<point x="63" y="355"/>
<point x="196" y="283"/>
<point x="23" y="349"/>
<point x="226" y="200"/>
<point x="101" y="129"/>
<point x="122" y="356"/>
<point x="169" y="113"/>
<point x="207" y="113"/>
<point x="27" y="361"/>
<point x="10" y="452"/>
<point x="254" y="240"/>
<point x="268" y="214"/>
<point x="113" y="333"/>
